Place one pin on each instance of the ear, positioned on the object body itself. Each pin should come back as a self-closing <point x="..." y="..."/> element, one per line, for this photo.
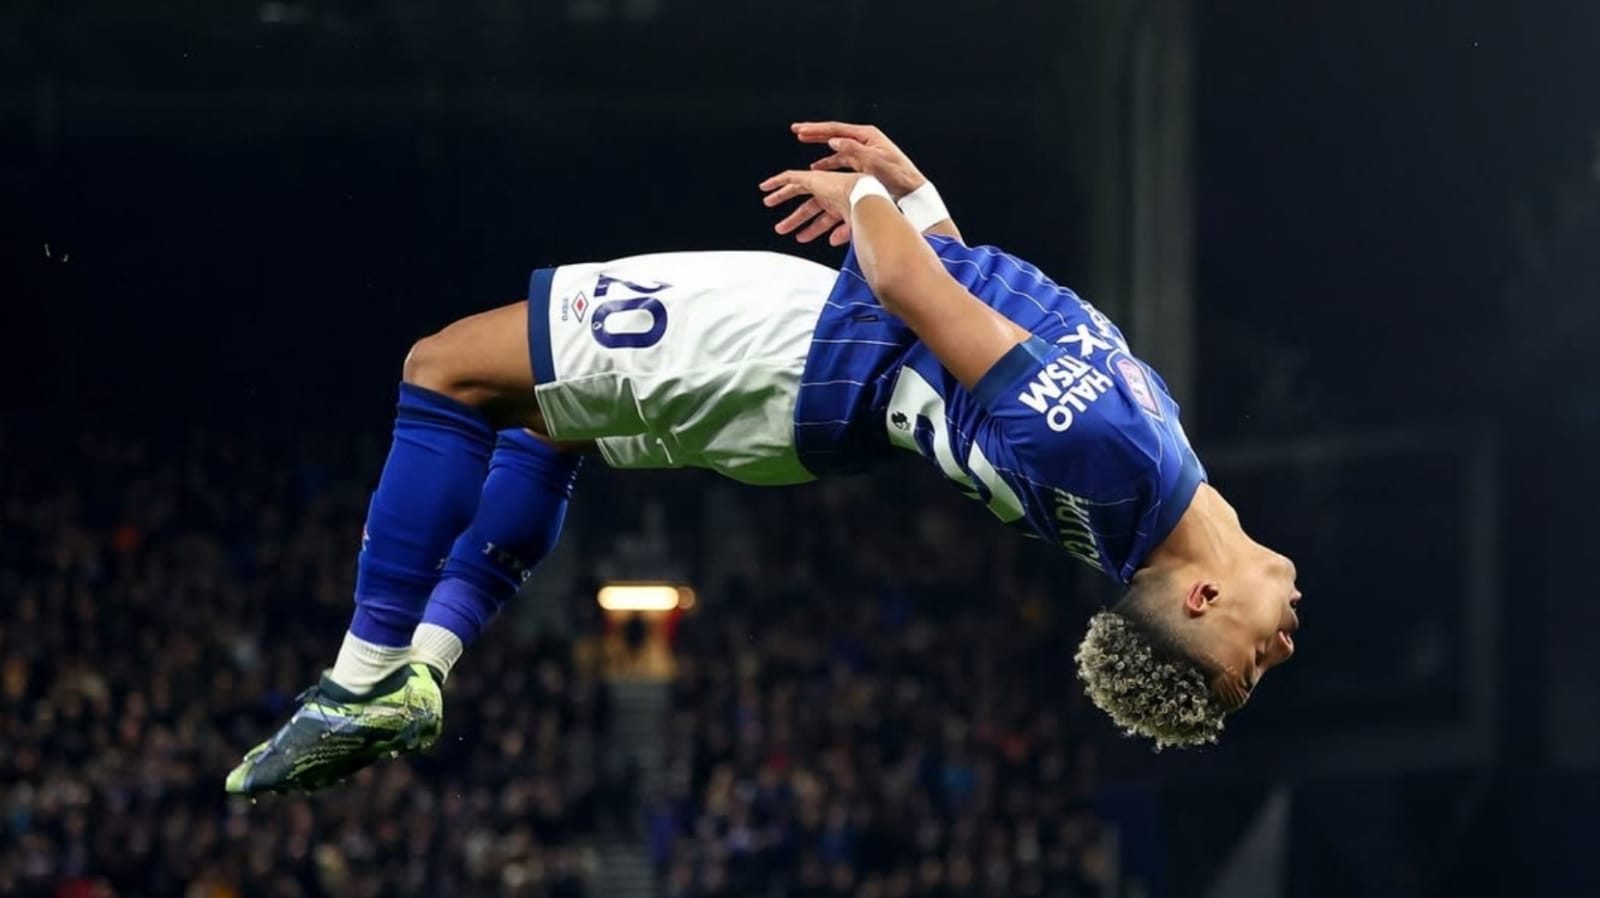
<point x="1200" y="596"/>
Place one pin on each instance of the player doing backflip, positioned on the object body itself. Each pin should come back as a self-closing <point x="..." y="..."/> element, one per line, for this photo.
<point x="774" y="370"/>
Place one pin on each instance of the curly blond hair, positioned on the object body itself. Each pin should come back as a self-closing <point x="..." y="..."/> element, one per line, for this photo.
<point x="1136" y="672"/>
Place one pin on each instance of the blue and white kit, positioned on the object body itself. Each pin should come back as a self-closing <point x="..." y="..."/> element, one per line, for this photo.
<point x="772" y="369"/>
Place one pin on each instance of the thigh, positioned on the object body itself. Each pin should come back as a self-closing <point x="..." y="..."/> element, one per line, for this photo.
<point x="483" y="360"/>
<point x="669" y="311"/>
<point x="699" y="352"/>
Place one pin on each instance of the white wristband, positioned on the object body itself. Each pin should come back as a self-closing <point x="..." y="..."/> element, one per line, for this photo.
<point x="866" y="186"/>
<point x="923" y="207"/>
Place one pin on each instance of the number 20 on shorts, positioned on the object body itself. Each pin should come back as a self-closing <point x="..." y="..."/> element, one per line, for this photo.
<point x="630" y="331"/>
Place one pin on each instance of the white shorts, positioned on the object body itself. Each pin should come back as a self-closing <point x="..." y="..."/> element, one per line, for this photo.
<point x="678" y="359"/>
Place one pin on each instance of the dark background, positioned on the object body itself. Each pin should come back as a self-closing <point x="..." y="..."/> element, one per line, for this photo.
<point x="235" y="217"/>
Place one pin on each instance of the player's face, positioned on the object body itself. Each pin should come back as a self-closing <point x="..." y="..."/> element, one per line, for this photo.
<point x="1254" y="629"/>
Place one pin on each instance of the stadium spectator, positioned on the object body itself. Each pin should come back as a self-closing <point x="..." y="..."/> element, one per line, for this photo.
<point x="853" y="740"/>
<point x="831" y="737"/>
<point x="160" y="607"/>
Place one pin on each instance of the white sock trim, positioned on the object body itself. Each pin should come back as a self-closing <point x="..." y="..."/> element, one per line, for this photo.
<point x="361" y="664"/>
<point x="436" y="647"/>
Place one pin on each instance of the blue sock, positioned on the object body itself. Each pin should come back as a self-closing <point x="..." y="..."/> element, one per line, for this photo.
<point x="427" y="495"/>
<point x="519" y="519"/>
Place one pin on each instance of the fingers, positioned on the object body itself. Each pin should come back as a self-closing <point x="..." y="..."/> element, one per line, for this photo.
<point x="783" y="194"/>
<point x="811" y="214"/>
<point x="782" y="178"/>
<point x="820" y="132"/>
<point x="816" y="222"/>
<point x="847" y="153"/>
<point x="824" y="211"/>
<point x="787" y="185"/>
<point x="821" y="225"/>
<point x="802" y="214"/>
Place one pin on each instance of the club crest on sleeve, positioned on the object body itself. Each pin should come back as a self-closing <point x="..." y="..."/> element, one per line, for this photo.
<point x="1139" y="385"/>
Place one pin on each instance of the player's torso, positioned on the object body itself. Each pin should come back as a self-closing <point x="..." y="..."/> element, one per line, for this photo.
<point x="1085" y="452"/>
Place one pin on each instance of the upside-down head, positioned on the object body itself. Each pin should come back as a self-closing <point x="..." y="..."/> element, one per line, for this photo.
<point x="1179" y="652"/>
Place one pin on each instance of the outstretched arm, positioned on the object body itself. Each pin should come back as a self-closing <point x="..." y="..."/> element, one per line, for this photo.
<point x="866" y="149"/>
<point x="967" y="336"/>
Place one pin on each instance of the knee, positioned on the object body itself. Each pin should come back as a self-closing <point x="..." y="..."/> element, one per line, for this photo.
<point x="434" y="364"/>
<point x="481" y="361"/>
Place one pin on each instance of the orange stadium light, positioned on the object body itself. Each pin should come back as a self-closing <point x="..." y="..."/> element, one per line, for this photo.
<point x="644" y="597"/>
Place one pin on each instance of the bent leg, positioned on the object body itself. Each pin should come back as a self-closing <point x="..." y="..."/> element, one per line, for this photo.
<point x="459" y="386"/>
<point x="427" y="494"/>
<point x="519" y="519"/>
<point x="479" y="361"/>
<point x="483" y="361"/>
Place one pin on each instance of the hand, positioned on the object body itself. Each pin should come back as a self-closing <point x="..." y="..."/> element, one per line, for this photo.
<point x="826" y="209"/>
<point x="862" y="148"/>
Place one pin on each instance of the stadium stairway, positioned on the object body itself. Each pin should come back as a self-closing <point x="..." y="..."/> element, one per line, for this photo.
<point x="638" y="728"/>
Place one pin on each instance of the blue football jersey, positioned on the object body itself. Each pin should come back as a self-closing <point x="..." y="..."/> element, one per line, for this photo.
<point x="1069" y="436"/>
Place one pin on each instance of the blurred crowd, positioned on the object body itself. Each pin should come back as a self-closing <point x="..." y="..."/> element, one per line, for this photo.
<point x="163" y="607"/>
<point x="859" y="711"/>
<point x="890" y="713"/>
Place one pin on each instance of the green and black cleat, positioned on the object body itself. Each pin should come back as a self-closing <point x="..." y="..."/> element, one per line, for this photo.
<point x="337" y="732"/>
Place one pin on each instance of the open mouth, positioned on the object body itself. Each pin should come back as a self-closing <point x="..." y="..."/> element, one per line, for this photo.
<point x="1284" y="635"/>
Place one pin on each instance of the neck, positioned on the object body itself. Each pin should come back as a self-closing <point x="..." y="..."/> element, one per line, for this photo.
<point x="1208" y="537"/>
